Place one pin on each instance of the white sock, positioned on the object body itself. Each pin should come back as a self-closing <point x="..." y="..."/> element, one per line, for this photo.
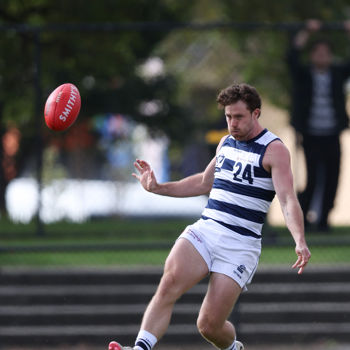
<point x="232" y="346"/>
<point x="145" y="341"/>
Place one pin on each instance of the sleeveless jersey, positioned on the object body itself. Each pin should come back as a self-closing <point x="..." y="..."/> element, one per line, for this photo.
<point x="243" y="190"/>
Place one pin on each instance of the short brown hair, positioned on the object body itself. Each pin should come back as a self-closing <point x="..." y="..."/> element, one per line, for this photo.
<point x="239" y="92"/>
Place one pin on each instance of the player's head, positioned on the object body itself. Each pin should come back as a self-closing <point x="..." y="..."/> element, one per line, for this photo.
<point x="321" y="54"/>
<point x="242" y="104"/>
<point x="240" y="92"/>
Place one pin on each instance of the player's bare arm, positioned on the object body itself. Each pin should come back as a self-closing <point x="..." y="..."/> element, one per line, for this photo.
<point x="277" y="161"/>
<point x="194" y="185"/>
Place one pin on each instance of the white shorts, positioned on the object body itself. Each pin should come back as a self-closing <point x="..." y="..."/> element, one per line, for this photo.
<point x="224" y="251"/>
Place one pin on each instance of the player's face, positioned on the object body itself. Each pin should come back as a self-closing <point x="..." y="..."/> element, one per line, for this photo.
<point x="241" y="122"/>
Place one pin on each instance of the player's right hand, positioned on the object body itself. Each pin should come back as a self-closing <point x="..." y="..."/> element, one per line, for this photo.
<point x="146" y="175"/>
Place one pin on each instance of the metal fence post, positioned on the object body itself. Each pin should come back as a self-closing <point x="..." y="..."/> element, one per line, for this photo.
<point x="38" y="123"/>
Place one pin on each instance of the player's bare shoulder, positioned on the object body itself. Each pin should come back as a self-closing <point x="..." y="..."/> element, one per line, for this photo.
<point x="276" y="154"/>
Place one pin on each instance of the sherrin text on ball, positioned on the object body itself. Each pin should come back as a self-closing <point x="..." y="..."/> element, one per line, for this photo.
<point x="62" y="107"/>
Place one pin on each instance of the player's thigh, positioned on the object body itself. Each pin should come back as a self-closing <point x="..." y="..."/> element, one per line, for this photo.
<point x="220" y="299"/>
<point x="184" y="266"/>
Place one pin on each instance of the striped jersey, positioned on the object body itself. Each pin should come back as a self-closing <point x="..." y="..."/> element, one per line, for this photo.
<point x="242" y="190"/>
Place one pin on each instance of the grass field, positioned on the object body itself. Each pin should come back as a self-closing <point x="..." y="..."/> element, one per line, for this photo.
<point x="141" y="242"/>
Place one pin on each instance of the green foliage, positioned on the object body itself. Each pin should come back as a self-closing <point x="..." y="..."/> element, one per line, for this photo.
<point x="202" y="62"/>
<point x="104" y="64"/>
<point x="67" y="55"/>
<point x="285" y="11"/>
<point x="264" y="50"/>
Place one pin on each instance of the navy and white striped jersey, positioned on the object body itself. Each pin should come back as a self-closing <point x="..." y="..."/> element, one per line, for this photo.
<point x="243" y="190"/>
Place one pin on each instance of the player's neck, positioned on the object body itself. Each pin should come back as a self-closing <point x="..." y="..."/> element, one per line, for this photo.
<point x="253" y="133"/>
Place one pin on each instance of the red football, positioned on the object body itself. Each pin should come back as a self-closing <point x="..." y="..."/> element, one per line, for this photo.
<point x="62" y="107"/>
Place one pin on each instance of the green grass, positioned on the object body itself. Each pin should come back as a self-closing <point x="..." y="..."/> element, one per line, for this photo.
<point x="320" y="255"/>
<point x="333" y="248"/>
<point x="106" y="232"/>
<point x="125" y="258"/>
<point x="270" y="255"/>
<point x="115" y="228"/>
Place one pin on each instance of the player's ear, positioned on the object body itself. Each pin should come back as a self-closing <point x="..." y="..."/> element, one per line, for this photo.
<point x="257" y="112"/>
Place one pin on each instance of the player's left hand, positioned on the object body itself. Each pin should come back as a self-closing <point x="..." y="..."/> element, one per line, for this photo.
<point x="304" y="255"/>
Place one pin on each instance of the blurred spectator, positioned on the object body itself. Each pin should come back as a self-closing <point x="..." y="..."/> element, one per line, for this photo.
<point x="318" y="116"/>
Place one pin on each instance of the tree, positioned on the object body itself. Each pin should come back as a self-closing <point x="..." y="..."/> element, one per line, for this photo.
<point x="108" y="59"/>
<point x="104" y="63"/>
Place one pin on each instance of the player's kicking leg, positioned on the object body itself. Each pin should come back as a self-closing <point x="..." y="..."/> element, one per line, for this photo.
<point x="176" y="280"/>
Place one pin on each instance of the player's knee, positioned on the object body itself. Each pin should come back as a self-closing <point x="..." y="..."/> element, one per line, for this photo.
<point x="169" y="289"/>
<point x="207" y="327"/>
